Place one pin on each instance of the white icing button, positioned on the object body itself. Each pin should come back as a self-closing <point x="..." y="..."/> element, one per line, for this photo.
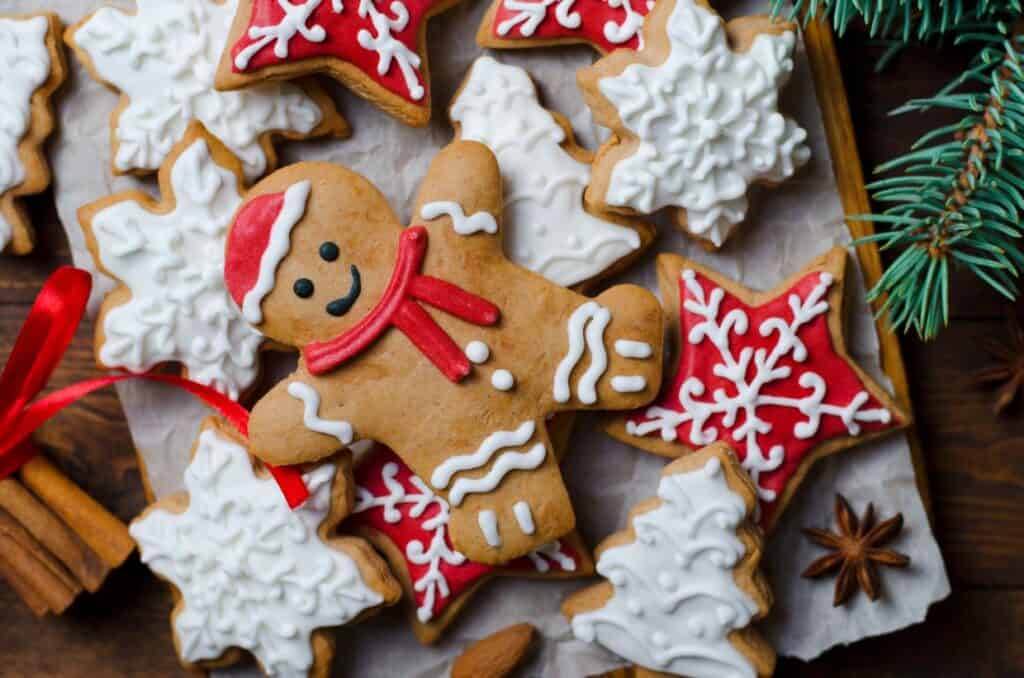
<point x="503" y="380"/>
<point x="478" y="352"/>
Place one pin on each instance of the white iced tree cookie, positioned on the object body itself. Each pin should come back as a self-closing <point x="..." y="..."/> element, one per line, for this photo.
<point x="547" y="227"/>
<point x="172" y="304"/>
<point x="251" y="573"/>
<point x="682" y="583"/>
<point x="695" y="116"/>
<point x="163" y="58"/>
<point x="31" y="68"/>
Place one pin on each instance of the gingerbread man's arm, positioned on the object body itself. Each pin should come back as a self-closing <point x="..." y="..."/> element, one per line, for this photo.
<point x="302" y="419"/>
<point x="612" y="356"/>
<point x="461" y="197"/>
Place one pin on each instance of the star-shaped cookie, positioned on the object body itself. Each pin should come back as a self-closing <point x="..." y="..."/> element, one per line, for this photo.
<point x="376" y="48"/>
<point x="162" y="59"/>
<point x="605" y="25"/>
<point x="766" y="372"/>
<point x="695" y="118"/>
<point x="171" y="303"/>
<point x="252" y="575"/>
<point x="408" y="522"/>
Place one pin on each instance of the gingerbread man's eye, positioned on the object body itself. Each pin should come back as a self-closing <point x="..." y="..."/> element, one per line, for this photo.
<point x="303" y="288"/>
<point x="329" y="251"/>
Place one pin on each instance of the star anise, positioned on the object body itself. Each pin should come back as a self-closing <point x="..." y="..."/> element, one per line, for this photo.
<point x="856" y="551"/>
<point x="1008" y="370"/>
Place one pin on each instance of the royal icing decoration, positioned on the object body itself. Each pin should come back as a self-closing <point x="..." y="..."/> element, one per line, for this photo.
<point x="524" y="516"/>
<point x="586" y="332"/>
<point x="341" y="430"/>
<point x="163" y="59"/>
<point x="171" y="262"/>
<point x="380" y="39"/>
<point x="637" y="350"/>
<point x="395" y="502"/>
<point x="480" y="222"/>
<point x="766" y="379"/>
<point x="606" y="24"/>
<point x="290" y="207"/>
<point x="705" y="122"/>
<point x="251" y="573"/>
<point x="675" y="598"/>
<point x="547" y="229"/>
<point x="488" y="521"/>
<point x="478" y="352"/>
<point x="24" y="68"/>
<point x="503" y="380"/>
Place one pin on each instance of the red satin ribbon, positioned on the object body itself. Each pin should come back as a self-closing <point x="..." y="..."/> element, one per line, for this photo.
<point x="43" y="341"/>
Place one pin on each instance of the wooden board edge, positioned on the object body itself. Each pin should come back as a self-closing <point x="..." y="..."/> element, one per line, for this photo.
<point x="835" y="111"/>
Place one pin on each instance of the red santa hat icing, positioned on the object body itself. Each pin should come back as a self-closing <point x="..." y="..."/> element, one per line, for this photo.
<point x="259" y="240"/>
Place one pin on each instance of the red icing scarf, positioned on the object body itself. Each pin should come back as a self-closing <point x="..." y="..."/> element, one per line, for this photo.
<point x="398" y="307"/>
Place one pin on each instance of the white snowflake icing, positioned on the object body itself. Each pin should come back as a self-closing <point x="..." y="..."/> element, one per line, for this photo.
<point x="707" y="123"/>
<point x="295" y="21"/>
<point x="164" y="59"/>
<point x="547" y="229"/>
<point x="432" y="583"/>
<point x="747" y="396"/>
<point x="24" y="68"/>
<point x="172" y="263"/>
<point x="252" y="573"/>
<point x="529" y="14"/>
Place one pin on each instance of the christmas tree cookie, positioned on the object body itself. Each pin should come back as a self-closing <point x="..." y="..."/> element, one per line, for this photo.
<point x="695" y="118"/>
<point x="766" y="372"/>
<point x="683" y="586"/>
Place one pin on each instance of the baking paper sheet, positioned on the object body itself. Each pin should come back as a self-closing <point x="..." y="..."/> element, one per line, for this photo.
<point x="788" y="227"/>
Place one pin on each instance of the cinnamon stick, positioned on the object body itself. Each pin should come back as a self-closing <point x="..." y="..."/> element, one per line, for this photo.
<point x="29" y="595"/>
<point x="86" y="566"/>
<point x="33" y="565"/>
<point x="97" y="527"/>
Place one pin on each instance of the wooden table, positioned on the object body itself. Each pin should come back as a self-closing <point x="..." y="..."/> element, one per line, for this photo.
<point x="975" y="466"/>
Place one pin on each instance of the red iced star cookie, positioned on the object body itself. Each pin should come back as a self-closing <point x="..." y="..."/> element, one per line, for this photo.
<point x="374" y="47"/>
<point x="768" y="373"/>
<point x="605" y="25"/>
<point x="403" y="518"/>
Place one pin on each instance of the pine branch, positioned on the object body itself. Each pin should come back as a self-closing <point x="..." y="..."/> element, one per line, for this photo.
<point x="961" y="194"/>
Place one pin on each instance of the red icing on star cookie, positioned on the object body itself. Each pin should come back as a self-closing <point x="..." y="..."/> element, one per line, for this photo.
<point x="394" y="502"/>
<point x="766" y="378"/>
<point x="379" y="38"/>
<point x="605" y="24"/>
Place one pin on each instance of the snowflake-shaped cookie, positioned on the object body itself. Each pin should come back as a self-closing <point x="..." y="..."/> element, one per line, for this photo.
<point x="172" y="304"/>
<point x="252" y="574"/>
<point x="163" y="59"/>
<point x="398" y="511"/>
<point x="765" y="372"/>
<point x="695" y="127"/>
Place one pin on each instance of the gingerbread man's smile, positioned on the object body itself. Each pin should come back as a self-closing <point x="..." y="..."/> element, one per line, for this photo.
<point x="304" y="287"/>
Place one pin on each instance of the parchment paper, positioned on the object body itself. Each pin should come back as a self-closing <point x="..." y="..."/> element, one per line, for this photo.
<point x="788" y="227"/>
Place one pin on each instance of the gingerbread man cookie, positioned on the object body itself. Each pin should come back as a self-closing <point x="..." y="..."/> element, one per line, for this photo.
<point x="162" y="59"/>
<point x="376" y="48"/>
<point x="32" y="68"/>
<point x="249" y="574"/>
<point x="694" y="116"/>
<point x="605" y="25"/>
<point x="428" y="340"/>
<point x="766" y="372"/>
<point x="683" y="585"/>
<point x="408" y="522"/>
<point x="171" y="304"/>
<point x="548" y="228"/>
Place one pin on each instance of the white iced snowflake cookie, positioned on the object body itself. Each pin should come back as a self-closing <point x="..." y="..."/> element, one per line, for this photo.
<point x="695" y="116"/>
<point x="162" y="59"/>
<point x="32" y="67"/>
<point x="682" y="585"/>
<point x="253" y="575"/>
<point x="548" y="229"/>
<point x="172" y="304"/>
